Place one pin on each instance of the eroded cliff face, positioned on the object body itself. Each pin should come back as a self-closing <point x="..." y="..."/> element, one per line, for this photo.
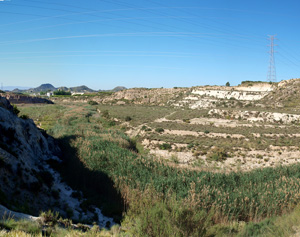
<point x="27" y="182"/>
<point x="24" y="181"/>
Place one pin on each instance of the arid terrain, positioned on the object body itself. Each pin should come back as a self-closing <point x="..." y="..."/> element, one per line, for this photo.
<point x="202" y="157"/>
<point x="212" y="127"/>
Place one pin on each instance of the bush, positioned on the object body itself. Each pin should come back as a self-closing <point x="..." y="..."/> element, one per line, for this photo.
<point x="24" y="116"/>
<point x="159" y="130"/>
<point x="144" y="127"/>
<point x="15" y="110"/>
<point x="91" y="102"/>
<point x="128" y="118"/>
<point x="165" y="146"/>
<point x="218" y="154"/>
<point x="186" y="120"/>
<point x="49" y="217"/>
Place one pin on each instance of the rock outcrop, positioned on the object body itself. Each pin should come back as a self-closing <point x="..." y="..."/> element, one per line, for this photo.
<point x="24" y="150"/>
<point x="27" y="182"/>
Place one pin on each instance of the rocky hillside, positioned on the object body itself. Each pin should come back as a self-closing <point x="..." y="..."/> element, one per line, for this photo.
<point x="285" y="94"/>
<point x="27" y="182"/>
<point x="248" y="94"/>
<point x="145" y="96"/>
<point x="195" y="97"/>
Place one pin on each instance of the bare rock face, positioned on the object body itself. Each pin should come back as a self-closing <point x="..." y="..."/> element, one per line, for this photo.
<point x="27" y="182"/>
<point x="24" y="181"/>
<point x="5" y="104"/>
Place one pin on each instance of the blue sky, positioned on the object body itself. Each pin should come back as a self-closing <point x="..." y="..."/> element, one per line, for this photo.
<point x="146" y="43"/>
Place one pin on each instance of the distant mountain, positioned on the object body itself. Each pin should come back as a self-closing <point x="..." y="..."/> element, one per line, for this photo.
<point x="50" y="87"/>
<point x="81" y="89"/>
<point x="43" y="87"/>
<point x="10" y="88"/>
<point x="116" y="89"/>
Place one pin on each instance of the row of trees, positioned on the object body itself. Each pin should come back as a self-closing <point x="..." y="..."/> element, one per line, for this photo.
<point x="59" y="92"/>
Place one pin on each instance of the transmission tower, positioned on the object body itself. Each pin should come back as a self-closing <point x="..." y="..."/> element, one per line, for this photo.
<point x="272" y="69"/>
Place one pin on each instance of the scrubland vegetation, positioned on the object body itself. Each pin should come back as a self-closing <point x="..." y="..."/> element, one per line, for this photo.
<point x="149" y="196"/>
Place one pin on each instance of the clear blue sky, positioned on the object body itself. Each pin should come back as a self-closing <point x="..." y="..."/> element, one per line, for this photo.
<point x="146" y="43"/>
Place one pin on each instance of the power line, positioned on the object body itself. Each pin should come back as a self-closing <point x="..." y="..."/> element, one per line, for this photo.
<point x="271" y="77"/>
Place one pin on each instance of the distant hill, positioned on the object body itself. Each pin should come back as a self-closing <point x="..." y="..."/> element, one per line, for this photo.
<point x="10" y="88"/>
<point x="81" y="89"/>
<point x="62" y="88"/>
<point x="119" y="88"/>
<point x="43" y="87"/>
<point x="49" y="87"/>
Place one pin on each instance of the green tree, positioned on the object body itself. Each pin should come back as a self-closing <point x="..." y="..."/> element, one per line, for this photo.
<point x="227" y="83"/>
<point x="61" y="92"/>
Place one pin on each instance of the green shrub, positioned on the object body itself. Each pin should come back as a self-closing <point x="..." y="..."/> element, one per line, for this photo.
<point x="186" y="120"/>
<point x="159" y="130"/>
<point x="144" y="127"/>
<point x="128" y="118"/>
<point x="24" y="116"/>
<point x="218" y="154"/>
<point x="50" y="218"/>
<point x="16" y="111"/>
<point x="165" y="146"/>
<point x="92" y="102"/>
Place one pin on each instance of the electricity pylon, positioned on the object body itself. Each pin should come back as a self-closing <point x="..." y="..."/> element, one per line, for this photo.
<point x="271" y="77"/>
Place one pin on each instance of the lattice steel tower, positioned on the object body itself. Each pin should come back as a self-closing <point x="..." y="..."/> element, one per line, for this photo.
<point x="271" y="77"/>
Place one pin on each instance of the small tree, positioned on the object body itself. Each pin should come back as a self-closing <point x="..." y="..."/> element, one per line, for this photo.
<point x="61" y="92"/>
<point x="227" y="83"/>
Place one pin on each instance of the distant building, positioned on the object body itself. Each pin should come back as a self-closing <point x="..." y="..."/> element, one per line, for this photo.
<point x="77" y="93"/>
<point x="49" y="94"/>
